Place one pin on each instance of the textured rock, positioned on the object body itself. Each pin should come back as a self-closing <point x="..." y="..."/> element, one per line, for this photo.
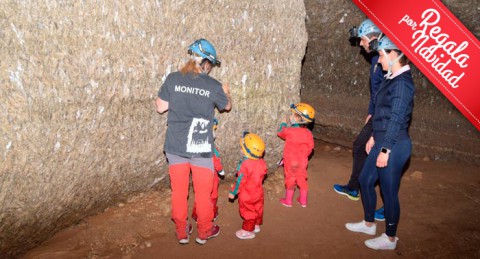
<point x="78" y="124"/>
<point x="335" y="80"/>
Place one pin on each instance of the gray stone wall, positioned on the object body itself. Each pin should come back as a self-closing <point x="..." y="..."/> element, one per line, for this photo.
<point x="79" y="79"/>
<point x="335" y="80"/>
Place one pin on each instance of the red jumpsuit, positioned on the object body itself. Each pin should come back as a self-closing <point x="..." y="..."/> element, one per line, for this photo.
<point x="217" y="164"/>
<point x="250" y="192"/>
<point x="298" y="147"/>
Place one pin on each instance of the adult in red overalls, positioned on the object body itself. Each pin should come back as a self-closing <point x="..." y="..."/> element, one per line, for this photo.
<point x="190" y="96"/>
<point x="298" y="147"/>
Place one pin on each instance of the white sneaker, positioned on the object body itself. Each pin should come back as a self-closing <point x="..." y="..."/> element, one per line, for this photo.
<point x="257" y="229"/>
<point x="381" y="243"/>
<point x="243" y="234"/>
<point x="189" y="230"/>
<point x="362" y="228"/>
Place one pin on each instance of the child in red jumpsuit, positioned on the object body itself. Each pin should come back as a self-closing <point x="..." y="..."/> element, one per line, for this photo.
<point x="217" y="165"/>
<point x="298" y="147"/>
<point x="251" y="171"/>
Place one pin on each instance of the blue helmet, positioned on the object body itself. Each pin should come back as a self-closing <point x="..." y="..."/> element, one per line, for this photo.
<point x="386" y="43"/>
<point x="204" y="49"/>
<point x="367" y="27"/>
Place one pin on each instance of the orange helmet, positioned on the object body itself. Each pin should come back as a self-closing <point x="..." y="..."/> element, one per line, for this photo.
<point x="252" y="145"/>
<point x="304" y="110"/>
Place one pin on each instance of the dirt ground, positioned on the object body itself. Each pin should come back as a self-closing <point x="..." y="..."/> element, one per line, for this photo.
<point x="439" y="219"/>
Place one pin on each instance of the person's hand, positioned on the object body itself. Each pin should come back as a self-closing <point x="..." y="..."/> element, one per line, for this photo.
<point x="285" y="119"/>
<point x="231" y="196"/>
<point x="382" y="159"/>
<point x="369" y="145"/>
<point x="368" y="117"/>
<point x="226" y="89"/>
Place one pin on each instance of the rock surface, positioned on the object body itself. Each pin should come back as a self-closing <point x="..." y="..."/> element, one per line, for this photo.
<point x="79" y="130"/>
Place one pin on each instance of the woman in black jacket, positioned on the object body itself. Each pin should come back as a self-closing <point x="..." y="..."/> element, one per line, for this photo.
<point x="389" y="148"/>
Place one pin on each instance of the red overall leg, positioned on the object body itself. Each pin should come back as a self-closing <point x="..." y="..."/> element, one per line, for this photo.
<point x="289" y="183"/>
<point x="180" y="181"/>
<point x="248" y="214"/>
<point x="259" y="211"/>
<point x="203" y="185"/>
<point x="214" y="195"/>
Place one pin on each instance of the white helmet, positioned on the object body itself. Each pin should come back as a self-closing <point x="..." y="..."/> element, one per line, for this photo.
<point x="367" y="27"/>
<point x="386" y="44"/>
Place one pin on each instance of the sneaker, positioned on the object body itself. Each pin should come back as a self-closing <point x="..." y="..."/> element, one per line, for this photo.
<point x="344" y="190"/>
<point x="257" y="229"/>
<point x="215" y="232"/>
<point x="221" y="173"/>
<point x="189" y="232"/>
<point x="243" y="234"/>
<point x="381" y="243"/>
<point x="361" y="227"/>
<point x="380" y="214"/>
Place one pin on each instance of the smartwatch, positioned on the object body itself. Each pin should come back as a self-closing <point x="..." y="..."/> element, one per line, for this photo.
<point x="385" y="150"/>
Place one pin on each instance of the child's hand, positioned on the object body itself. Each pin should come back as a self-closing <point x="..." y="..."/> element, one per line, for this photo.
<point x="285" y="119"/>
<point x="231" y="196"/>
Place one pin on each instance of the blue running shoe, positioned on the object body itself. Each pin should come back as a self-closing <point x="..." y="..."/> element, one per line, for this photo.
<point x="344" y="190"/>
<point x="380" y="214"/>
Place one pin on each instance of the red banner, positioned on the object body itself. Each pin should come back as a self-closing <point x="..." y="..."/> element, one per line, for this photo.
<point x="437" y="43"/>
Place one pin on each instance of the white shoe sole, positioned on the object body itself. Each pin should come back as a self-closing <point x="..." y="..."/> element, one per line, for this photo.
<point x="371" y="244"/>
<point x="200" y="241"/>
<point x="365" y="230"/>
<point x="252" y="236"/>
<point x="183" y="241"/>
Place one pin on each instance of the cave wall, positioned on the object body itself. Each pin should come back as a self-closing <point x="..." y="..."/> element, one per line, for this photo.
<point x="79" y="130"/>
<point x="335" y="81"/>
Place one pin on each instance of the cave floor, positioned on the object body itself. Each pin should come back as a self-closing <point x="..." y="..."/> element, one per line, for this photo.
<point x="439" y="218"/>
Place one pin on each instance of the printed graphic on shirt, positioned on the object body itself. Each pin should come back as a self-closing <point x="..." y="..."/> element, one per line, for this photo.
<point x="197" y="141"/>
<point x="192" y="90"/>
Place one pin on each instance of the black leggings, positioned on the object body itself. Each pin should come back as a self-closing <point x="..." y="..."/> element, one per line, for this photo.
<point x="359" y="154"/>
<point x="389" y="177"/>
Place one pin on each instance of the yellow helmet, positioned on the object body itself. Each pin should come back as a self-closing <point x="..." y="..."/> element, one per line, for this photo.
<point x="304" y="110"/>
<point x="252" y="145"/>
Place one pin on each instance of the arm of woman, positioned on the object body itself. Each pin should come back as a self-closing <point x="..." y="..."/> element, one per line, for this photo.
<point x="226" y="90"/>
<point x="369" y="145"/>
<point x="162" y="106"/>
<point x="402" y="96"/>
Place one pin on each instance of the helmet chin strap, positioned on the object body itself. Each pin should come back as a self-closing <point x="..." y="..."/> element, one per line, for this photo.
<point x="391" y="62"/>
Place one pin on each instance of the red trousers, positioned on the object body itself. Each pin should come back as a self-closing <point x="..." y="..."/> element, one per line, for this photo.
<point x="202" y="185"/>
<point x="217" y="163"/>
<point x="213" y="197"/>
<point x="295" y="173"/>
<point x="251" y="213"/>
